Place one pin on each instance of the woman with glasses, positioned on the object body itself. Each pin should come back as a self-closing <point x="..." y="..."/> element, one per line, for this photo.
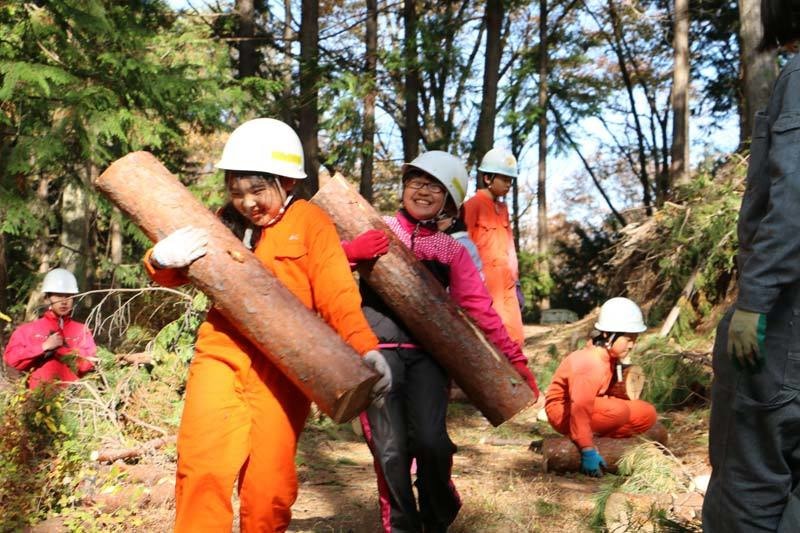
<point x="411" y="421"/>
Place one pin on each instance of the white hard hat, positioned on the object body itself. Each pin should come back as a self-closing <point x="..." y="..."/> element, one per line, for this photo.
<point x="264" y="145"/>
<point x="446" y="168"/>
<point x="499" y="161"/>
<point x="620" y="315"/>
<point x="60" y="281"/>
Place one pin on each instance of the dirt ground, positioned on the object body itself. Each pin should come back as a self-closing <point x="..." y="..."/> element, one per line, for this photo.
<point x="499" y="477"/>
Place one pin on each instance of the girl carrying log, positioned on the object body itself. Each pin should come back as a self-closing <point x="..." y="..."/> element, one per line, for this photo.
<point x="577" y="404"/>
<point x="410" y="423"/>
<point x="242" y="417"/>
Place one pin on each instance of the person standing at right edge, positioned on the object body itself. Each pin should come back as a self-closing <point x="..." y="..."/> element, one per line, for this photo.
<point x="754" y="437"/>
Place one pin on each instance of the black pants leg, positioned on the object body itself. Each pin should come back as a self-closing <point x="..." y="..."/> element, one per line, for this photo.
<point x="429" y="442"/>
<point x="753" y="447"/>
<point x="390" y="446"/>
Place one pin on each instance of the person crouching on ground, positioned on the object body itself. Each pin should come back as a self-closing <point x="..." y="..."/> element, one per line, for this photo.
<point x="411" y="422"/>
<point x="576" y="403"/>
<point x="242" y="417"/>
<point x="54" y="348"/>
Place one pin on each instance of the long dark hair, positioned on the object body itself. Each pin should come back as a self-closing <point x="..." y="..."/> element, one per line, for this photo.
<point x="781" y="22"/>
<point x="239" y="225"/>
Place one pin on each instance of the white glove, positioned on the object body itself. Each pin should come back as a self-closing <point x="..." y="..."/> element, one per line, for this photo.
<point x="375" y="360"/>
<point x="180" y="248"/>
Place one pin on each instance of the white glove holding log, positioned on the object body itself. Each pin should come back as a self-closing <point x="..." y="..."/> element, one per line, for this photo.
<point x="180" y="248"/>
<point x="375" y="360"/>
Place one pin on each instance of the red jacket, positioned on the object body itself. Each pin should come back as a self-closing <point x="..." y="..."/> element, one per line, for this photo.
<point x="24" y="350"/>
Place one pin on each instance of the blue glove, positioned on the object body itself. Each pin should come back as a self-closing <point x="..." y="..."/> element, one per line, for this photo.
<point x="592" y="463"/>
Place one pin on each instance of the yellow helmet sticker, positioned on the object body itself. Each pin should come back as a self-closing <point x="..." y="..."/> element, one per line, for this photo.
<point x="457" y="186"/>
<point x="286" y="157"/>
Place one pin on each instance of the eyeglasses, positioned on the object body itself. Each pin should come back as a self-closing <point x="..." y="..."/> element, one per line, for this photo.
<point x="431" y="186"/>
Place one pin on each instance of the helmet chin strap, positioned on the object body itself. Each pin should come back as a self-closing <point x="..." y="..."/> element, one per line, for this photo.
<point x="282" y="210"/>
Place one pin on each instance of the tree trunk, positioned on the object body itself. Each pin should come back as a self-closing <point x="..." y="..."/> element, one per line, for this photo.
<point x="542" y="233"/>
<point x="74" y="238"/>
<point x="3" y="274"/>
<point x="484" y="133"/>
<point x="318" y="361"/>
<point x="679" y="169"/>
<point x="759" y="70"/>
<point x="286" y="109"/>
<point x="617" y="41"/>
<point x="561" y="455"/>
<point x="411" y="133"/>
<point x="248" y="57"/>
<point x="412" y="292"/>
<point x="116" y="237"/>
<point x="39" y="249"/>
<point x="309" y="77"/>
<point x="370" y="71"/>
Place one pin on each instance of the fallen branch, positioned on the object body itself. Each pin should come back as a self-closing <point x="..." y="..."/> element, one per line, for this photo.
<point x="109" y="456"/>
<point x="140" y="358"/>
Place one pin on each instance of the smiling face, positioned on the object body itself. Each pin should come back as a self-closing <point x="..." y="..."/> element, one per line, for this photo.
<point x="60" y="304"/>
<point x="423" y="196"/>
<point x="257" y="198"/>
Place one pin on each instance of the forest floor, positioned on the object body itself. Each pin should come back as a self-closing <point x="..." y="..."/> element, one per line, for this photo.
<point x="500" y="478"/>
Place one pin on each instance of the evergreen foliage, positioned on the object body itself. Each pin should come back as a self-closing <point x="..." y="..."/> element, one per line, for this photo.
<point x="83" y="83"/>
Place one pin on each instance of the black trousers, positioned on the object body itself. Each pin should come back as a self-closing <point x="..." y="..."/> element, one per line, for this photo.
<point x="754" y="440"/>
<point x="411" y="423"/>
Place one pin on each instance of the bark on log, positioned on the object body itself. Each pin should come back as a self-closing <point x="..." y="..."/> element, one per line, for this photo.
<point x="109" y="456"/>
<point x="295" y="339"/>
<point x="443" y="329"/>
<point x="561" y="455"/>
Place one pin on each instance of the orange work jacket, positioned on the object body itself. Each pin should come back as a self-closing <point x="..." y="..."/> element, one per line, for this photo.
<point x="304" y="252"/>
<point x="580" y="378"/>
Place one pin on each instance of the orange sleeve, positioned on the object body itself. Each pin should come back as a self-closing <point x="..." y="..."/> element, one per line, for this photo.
<point x="471" y="215"/>
<point x="336" y="296"/>
<point x="585" y="380"/>
<point x="166" y="277"/>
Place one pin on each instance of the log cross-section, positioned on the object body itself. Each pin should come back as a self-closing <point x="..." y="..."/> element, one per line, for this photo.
<point x="419" y="300"/>
<point x="294" y="338"/>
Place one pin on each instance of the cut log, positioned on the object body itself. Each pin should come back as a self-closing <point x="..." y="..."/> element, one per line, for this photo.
<point x="631" y="385"/>
<point x="440" y="326"/>
<point x="294" y="338"/>
<point x="109" y="456"/>
<point x="561" y="455"/>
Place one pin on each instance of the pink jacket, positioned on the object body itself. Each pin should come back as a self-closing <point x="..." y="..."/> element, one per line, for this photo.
<point x="24" y="350"/>
<point x="466" y="286"/>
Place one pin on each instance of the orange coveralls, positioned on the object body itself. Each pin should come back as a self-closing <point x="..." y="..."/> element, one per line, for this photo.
<point x="576" y="407"/>
<point x="489" y="228"/>
<point x="242" y="418"/>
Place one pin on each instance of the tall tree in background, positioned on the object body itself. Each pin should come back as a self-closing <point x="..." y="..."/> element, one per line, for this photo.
<point x="309" y="77"/>
<point x="679" y="166"/>
<point x="542" y="238"/>
<point x="759" y="69"/>
<point x="286" y="72"/>
<point x="410" y="128"/>
<point x="246" y="45"/>
<point x="370" y="72"/>
<point x="484" y="130"/>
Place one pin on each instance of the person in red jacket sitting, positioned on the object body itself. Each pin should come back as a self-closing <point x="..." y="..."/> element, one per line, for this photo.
<point x="54" y="348"/>
<point x="577" y="402"/>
